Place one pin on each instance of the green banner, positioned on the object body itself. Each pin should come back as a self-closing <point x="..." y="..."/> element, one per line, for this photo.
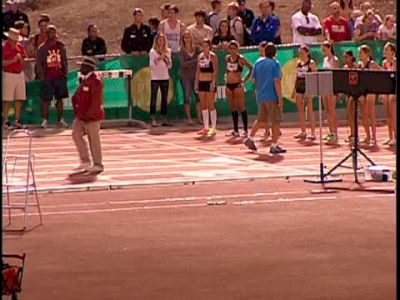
<point x="117" y="92"/>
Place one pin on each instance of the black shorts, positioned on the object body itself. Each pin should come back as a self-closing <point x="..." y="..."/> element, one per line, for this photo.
<point x="56" y="88"/>
<point x="204" y="86"/>
<point x="301" y="86"/>
<point x="233" y="86"/>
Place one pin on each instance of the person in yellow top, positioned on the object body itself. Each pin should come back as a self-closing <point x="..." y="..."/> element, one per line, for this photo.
<point x="199" y="29"/>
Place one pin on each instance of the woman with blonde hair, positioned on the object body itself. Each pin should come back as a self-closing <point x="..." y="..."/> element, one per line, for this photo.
<point x="160" y="63"/>
<point x="368" y="101"/>
<point x="206" y="86"/>
<point x="389" y="101"/>
<point x="188" y="65"/>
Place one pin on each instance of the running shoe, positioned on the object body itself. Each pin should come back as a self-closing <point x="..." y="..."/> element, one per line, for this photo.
<point x="62" y="123"/>
<point x="18" y="125"/>
<point x="7" y="125"/>
<point x="203" y="131"/>
<point x="327" y="137"/>
<point x="245" y="134"/>
<point x="166" y="124"/>
<point x="82" y="167"/>
<point x="301" y="136"/>
<point x="250" y="144"/>
<point x="211" y="132"/>
<point x="393" y="143"/>
<point x="44" y="124"/>
<point x="277" y="150"/>
<point x="333" y="138"/>
<point x="387" y="142"/>
<point x="366" y="140"/>
<point x="349" y="139"/>
<point x="95" y="169"/>
<point x="232" y="133"/>
<point x="311" y="137"/>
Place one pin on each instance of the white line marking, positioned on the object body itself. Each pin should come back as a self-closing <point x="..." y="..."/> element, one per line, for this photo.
<point x="279" y="200"/>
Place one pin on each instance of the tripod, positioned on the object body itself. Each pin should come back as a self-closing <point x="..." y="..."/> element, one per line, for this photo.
<point x="355" y="147"/>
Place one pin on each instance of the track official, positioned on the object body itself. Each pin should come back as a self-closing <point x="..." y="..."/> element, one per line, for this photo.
<point x="88" y="108"/>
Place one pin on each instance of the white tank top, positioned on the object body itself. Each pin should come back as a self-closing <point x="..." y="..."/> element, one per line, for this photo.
<point x="329" y="63"/>
<point x="173" y="36"/>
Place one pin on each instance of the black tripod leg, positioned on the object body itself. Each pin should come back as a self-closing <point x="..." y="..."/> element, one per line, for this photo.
<point x="339" y="164"/>
<point x="366" y="157"/>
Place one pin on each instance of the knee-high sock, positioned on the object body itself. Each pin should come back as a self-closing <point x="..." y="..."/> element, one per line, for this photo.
<point x="213" y="115"/>
<point x="204" y="114"/>
<point x="235" y="117"/>
<point x="244" y="119"/>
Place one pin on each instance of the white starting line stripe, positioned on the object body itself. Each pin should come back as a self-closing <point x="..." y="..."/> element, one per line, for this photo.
<point x="280" y="200"/>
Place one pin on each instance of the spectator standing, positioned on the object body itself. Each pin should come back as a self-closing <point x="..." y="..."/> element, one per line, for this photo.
<point x="154" y="24"/>
<point x="13" y="77"/>
<point x="165" y="11"/>
<point x="346" y="8"/>
<point x="173" y="28"/>
<point x="137" y="37"/>
<point x="199" y="29"/>
<point x="52" y="67"/>
<point x="247" y="16"/>
<point x="206" y="86"/>
<point x="41" y="37"/>
<point x="93" y="44"/>
<point x="278" y="38"/>
<point x="188" y="65"/>
<point x="266" y="27"/>
<point x="214" y="16"/>
<point x="388" y="30"/>
<point x="160" y="62"/>
<point x="236" y="23"/>
<point x="223" y="36"/>
<point x="27" y="44"/>
<point x="354" y="15"/>
<point x="368" y="29"/>
<point x="306" y="26"/>
<point x="89" y="112"/>
<point x="336" y="27"/>
<point x="267" y="76"/>
<point x="12" y="15"/>
<point x="365" y="7"/>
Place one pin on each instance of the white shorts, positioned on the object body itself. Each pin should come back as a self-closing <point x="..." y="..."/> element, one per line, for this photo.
<point x="14" y="86"/>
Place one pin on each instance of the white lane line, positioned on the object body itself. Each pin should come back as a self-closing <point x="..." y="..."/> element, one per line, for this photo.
<point x="215" y="153"/>
<point x="94" y="211"/>
<point x="378" y="195"/>
<point x="279" y="200"/>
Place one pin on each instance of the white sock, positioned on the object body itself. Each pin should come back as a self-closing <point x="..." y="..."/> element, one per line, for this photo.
<point x="273" y="145"/>
<point x="206" y="121"/>
<point x="213" y="115"/>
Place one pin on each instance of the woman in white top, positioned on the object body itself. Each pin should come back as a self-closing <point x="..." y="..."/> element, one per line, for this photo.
<point x="236" y="23"/>
<point x="389" y="101"/>
<point x="331" y="61"/>
<point x="160" y="62"/>
<point x="388" y="31"/>
<point x="173" y="29"/>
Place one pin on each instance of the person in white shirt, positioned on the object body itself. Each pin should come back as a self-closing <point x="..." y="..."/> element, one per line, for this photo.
<point x="388" y="31"/>
<point x="160" y="62"/>
<point x="173" y="28"/>
<point x="306" y="26"/>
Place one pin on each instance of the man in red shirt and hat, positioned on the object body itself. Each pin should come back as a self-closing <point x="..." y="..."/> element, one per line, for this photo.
<point x="88" y="108"/>
<point x="14" y="89"/>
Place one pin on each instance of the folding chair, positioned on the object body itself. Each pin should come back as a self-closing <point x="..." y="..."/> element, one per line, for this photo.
<point x="19" y="175"/>
<point x="12" y="272"/>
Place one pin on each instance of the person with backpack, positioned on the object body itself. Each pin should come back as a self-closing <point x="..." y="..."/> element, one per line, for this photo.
<point x="214" y="16"/>
<point x="236" y="23"/>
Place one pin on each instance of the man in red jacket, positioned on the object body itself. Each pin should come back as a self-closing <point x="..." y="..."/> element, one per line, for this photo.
<point x="88" y="108"/>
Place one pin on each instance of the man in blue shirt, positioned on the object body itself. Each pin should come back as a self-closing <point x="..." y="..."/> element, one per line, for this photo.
<point x="266" y="27"/>
<point x="267" y="75"/>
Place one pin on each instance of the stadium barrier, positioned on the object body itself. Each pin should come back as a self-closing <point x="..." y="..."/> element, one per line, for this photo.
<point x="116" y="92"/>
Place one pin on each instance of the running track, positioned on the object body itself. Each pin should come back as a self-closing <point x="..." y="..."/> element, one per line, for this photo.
<point x="135" y="157"/>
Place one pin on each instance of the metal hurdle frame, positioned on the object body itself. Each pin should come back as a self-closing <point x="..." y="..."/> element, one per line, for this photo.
<point x="30" y="183"/>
